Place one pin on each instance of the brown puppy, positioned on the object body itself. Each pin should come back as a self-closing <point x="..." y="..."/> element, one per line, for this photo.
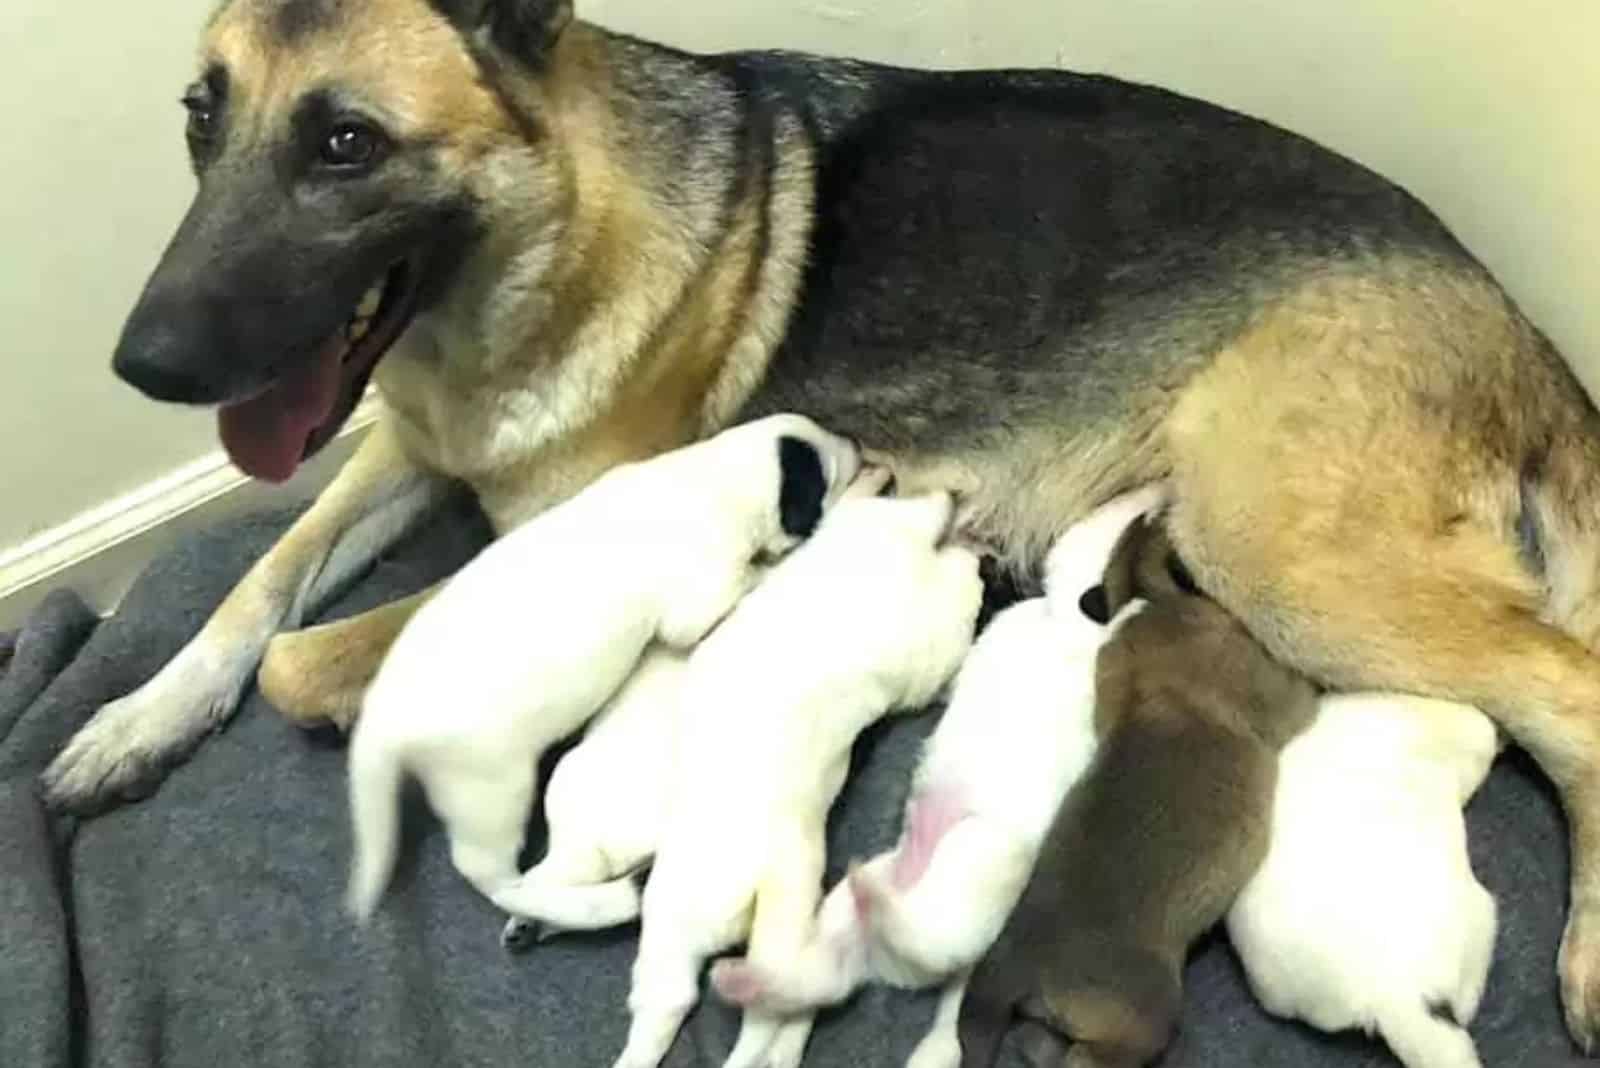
<point x="1163" y="831"/>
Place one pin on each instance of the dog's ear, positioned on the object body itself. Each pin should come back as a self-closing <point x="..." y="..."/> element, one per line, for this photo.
<point x="1119" y="584"/>
<point x="803" y="487"/>
<point x="522" y="29"/>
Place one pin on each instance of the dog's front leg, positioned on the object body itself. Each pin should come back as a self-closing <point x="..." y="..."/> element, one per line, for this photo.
<point x="321" y="674"/>
<point x="130" y="744"/>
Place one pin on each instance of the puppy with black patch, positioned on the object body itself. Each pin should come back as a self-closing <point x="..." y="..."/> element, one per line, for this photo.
<point x="1017" y="734"/>
<point x="531" y="639"/>
<point x="1366" y="913"/>
<point x="873" y="615"/>
<point x="1153" y="844"/>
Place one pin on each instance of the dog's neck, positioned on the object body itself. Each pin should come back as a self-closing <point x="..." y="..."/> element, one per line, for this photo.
<point x="632" y="297"/>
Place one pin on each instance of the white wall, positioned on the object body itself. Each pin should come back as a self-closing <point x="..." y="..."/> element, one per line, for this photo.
<point x="92" y="181"/>
<point x="1483" y="108"/>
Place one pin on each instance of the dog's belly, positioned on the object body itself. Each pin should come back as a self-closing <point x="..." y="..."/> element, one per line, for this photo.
<point x="1006" y="300"/>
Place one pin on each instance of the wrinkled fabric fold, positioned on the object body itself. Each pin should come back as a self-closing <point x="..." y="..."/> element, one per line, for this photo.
<point x="204" y="925"/>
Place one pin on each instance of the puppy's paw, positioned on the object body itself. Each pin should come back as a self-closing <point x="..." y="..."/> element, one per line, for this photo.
<point x="737" y="982"/>
<point x="520" y="935"/>
<point x="123" y="753"/>
<point x="1579" y="964"/>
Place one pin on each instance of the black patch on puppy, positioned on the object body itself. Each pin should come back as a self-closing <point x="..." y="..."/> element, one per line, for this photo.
<point x="803" y="489"/>
<point x="1093" y="604"/>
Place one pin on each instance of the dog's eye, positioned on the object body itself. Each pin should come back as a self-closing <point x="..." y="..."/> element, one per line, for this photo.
<point x="202" y="126"/>
<point x="351" y="146"/>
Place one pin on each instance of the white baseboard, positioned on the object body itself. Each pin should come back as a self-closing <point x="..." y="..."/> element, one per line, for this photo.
<point x="99" y="553"/>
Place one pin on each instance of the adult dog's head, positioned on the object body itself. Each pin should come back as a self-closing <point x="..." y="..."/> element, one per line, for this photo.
<point x="350" y="154"/>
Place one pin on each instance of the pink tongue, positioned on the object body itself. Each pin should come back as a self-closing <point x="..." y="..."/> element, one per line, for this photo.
<point x="266" y="435"/>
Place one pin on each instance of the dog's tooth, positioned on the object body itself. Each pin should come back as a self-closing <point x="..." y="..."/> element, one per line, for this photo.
<point x="370" y="303"/>
<point x="358" y="329"/>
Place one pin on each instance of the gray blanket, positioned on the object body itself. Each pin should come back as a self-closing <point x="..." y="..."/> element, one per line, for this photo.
<point x="203" y="927"/>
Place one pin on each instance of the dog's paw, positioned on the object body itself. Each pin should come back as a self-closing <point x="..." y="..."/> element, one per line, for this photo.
<point x="736" y="981"/>
<point x="122" y="754"/>
<point x="520" y="935"/>
<point x="1579" y="964"/>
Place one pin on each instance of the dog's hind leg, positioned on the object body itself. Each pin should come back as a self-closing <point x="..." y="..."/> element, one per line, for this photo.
<point x="955" y="910"/>
<point x="127" y="748"/>
<point x="666" y="985"/>
<point x="537" y="899"/>
<point x="1419" y="1039"/>
<point x="1110" y="1030"/>
<point x="828" y="968"/>
<point x="1481" y="920"/>
<point x="1352" y="480"/>
<point x="485" y="813"/>
<point x="786" y="904"/>
<point x="941" y="1046"/>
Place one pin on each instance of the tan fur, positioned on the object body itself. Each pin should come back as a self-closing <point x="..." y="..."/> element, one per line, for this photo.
<point x="321" y="673"/>
<point x="1376" y="548"/>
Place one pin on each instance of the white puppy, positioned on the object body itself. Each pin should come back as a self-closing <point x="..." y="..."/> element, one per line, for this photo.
<point x="1018" y="733"/>
<point x="529" y="640"/>
<point x="604" y="806"/>
<point x="869" y="617"/>
<point x="1366" y="913"/>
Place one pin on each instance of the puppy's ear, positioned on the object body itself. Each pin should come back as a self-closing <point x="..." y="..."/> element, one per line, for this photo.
<point x="803" y="486"/>
<point x="1181" y="576"/>
<point x="1094" y="604"/>
<point x="525" y="30"/>
<point x="1118" y="585"/>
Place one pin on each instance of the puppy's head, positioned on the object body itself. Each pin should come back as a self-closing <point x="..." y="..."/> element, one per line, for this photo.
<point x="800" y="471"/>
<point x="1143" y="564"/>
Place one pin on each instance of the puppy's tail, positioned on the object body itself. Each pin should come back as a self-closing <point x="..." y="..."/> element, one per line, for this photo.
<point x="375" y="774"/>
<point x="1422" y="1040"/>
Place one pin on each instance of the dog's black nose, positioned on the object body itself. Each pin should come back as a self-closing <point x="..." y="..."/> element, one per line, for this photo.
<point x="158" y="358"/>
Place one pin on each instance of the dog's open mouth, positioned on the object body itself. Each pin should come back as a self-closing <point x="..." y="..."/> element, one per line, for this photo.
<point x="269" y="434"/>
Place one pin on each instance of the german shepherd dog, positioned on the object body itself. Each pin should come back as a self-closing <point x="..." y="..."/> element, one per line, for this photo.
<point x="555" y="248"/>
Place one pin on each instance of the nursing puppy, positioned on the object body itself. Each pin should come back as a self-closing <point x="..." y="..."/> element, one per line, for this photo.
<point x="1368" y="838"/>
<point x="871" y="616"/>
<point x="528" y="642"/>
<point x="604" y="807"/>
<point x="1018" y="732"/>
<point x="1154" y="843"/>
